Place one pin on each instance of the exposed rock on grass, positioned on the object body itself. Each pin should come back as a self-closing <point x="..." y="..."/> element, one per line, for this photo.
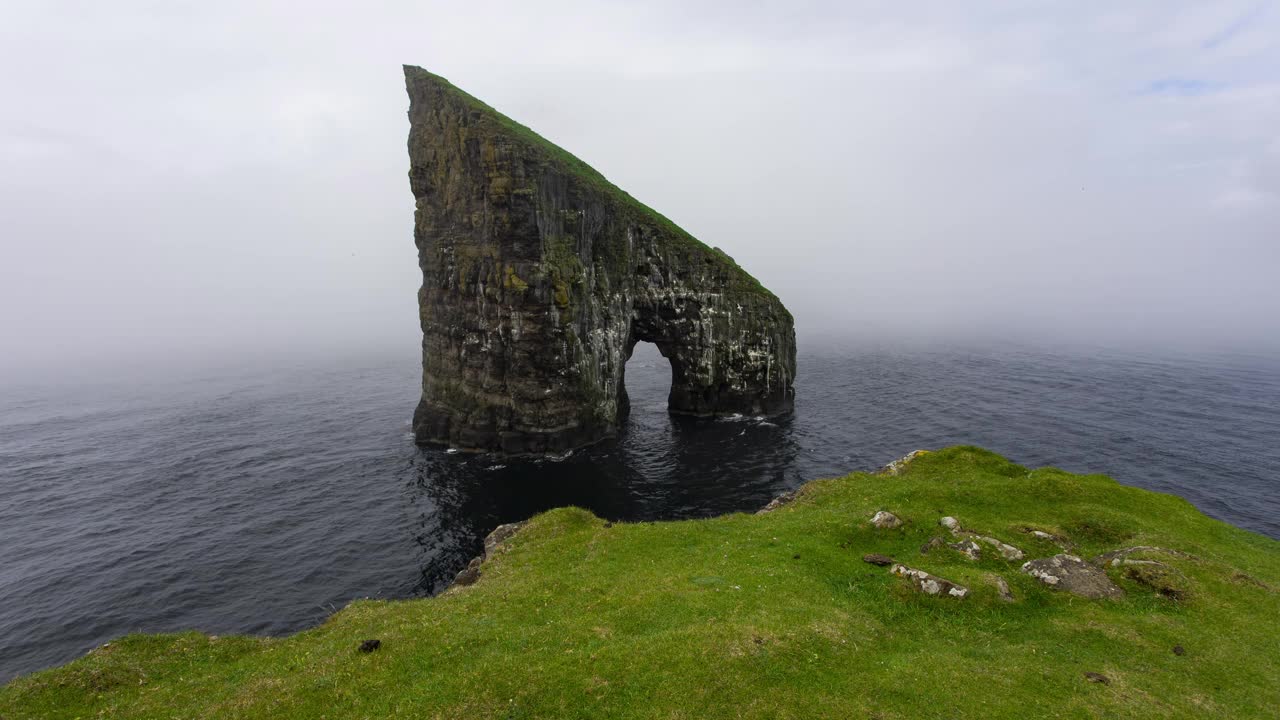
<point x="493" y="544"/>
<point x="469" y="574"/>
<point x="877" y="559"/>
<point x="1116" y="558"/>
<point x="968" y="548"/>
<point x="898" y="466"/>
<point x="1072" y="574"/>
<point x="1002" y="587"/>
<point x="1058" y="540"/>
<point x="494" y="540"/>
<point x="1007" y="551"/>
<point x="783" y="499"/>
<point x="930" y="584"/>
<point x="886" y="520"/>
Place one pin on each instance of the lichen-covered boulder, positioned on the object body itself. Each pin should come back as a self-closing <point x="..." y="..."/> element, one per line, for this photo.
<point x="539" y="278"/>
<point x="1007" y="551"/>
<point x="1072" y="574"/>
<point x="1116" y="558"/>
<point x="898" y="466"/>
<point x="494" y="540"/>
<point x="886" y="520"/>
<point x="469" y="574"/>
<point x="1002" y="587"/>
<point x="930" y="584"/>
<point x="967" y="548"/>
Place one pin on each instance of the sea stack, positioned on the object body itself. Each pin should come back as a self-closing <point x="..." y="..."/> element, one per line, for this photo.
<point x="539" y="277"/>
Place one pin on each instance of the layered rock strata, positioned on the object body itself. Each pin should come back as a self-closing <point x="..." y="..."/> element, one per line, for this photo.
<point x="539" y="278"/>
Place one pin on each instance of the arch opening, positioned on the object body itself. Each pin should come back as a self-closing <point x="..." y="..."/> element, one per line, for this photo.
<point x="647" y="378"/>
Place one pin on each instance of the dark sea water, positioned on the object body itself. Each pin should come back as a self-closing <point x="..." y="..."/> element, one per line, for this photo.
<point x="261" y="502"/>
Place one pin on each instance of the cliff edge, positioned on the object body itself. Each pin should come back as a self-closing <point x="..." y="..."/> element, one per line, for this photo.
<point x="953" y="585"/>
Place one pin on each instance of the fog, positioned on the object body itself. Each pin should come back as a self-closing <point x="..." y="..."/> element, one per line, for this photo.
<point x="184" y="181"/>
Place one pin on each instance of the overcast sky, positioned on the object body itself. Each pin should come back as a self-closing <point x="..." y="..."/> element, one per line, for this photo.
<point x="223" y="177"/>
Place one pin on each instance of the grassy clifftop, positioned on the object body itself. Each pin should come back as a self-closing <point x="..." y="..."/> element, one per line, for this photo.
<point x="773" y="615"/>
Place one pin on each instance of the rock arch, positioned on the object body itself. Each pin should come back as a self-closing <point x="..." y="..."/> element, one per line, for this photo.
<point x="539" y="276"/>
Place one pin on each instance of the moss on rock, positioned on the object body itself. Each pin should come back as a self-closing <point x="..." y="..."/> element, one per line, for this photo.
<point x="586" y="264"/>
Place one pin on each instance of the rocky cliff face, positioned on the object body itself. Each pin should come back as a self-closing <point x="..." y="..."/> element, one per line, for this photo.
<point x="539" y="277"/>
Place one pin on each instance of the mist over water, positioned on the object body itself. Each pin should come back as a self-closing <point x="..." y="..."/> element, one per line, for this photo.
<point x="907" y="173"/>
<point x="261" y="501"/>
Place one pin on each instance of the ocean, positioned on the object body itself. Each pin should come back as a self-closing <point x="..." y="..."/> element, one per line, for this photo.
<point x="261" y="501"/>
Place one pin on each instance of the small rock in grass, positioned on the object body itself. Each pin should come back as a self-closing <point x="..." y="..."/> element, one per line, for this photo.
<point x="779" y="501"/>
<point x="897" y="466"/>
<point x="1007" y="551"/>
<point x="500" y="534"/>
<point x="877" y="559"/>
<point x="470" y="574"/>
<point x="967" y="548"/>
<point x="1071" y="574"/>
<point x="1002" y="588"/>
<point x="1097" y="678"/>
<point x="369" y="646"/>
<point x="885" y="520"/>
<point x="1058" y="540"/>
<point x="1116" y="558"/>
<point x="930" y="584"/>
<point x="1179" y="650"/>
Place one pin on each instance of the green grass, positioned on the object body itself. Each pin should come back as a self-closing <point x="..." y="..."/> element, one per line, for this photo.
<point x="768" y="616"/>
